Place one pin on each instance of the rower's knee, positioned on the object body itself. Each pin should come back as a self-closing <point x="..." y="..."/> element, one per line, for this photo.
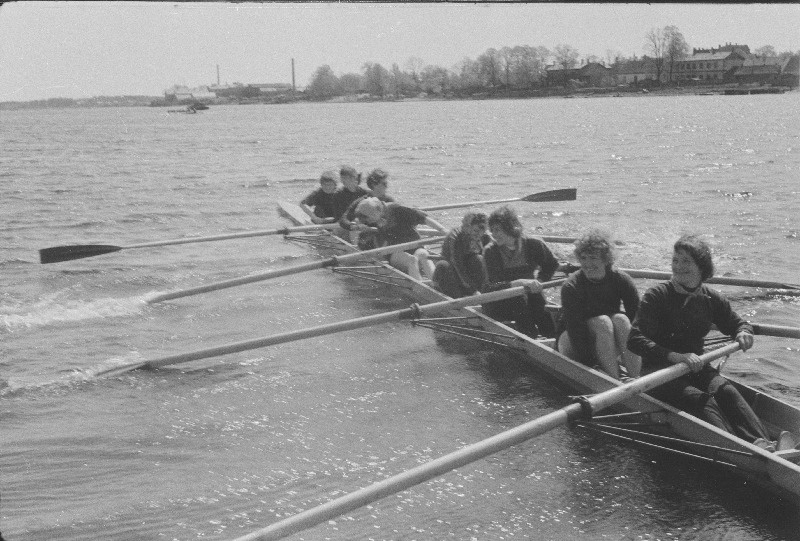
<point x="600" y="325"/>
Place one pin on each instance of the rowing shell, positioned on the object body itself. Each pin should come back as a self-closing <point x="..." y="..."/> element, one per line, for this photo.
<point x="669" y="427"/>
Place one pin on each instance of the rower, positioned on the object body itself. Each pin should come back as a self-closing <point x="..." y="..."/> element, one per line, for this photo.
<point x="592" y="328"/>
<point x="349" y="191"/>
<point x="513" y="260"/>
<point x="461" y="271"/>
<point x="323" y="200"/>
<point x="670" y="325"/>
<point x="378" y="184"/>
<point x="381" y="224"/>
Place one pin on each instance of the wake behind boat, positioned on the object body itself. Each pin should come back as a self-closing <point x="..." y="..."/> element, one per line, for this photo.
<point x="640" y="419"/>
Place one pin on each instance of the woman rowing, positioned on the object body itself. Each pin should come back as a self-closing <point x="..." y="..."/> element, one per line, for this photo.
<point x="462" y="271"/>
<point x="593" y="329"/>
<point x="350" y="191"/>
<point x="378" y="184"/>
<point x="670" y="326"/>
<point x="381" y="224"/>
<point x="512" y="260"/>
<point x="323" y="200"/>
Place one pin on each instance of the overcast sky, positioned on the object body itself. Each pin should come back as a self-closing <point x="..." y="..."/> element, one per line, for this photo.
<point x="84" y="49"/>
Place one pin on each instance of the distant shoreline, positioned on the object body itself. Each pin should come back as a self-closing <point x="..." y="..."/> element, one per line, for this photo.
<point x="158" y="102"/>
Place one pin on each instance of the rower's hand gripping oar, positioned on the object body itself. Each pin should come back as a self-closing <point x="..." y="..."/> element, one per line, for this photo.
<point x="413" y="312"/>
<point x="57" y="254"/>
<point x="292" y="269"/>
<point x="581" y="410"/>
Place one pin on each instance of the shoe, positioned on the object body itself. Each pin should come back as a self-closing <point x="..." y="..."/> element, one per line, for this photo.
<point x="786" y="441"/>
<point x="765" y="444"/>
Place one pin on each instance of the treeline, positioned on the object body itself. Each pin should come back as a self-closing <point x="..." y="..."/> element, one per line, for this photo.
<point x="522" y="69"/>
<point x="522" y="66"/>
<point x="98" y="101"/>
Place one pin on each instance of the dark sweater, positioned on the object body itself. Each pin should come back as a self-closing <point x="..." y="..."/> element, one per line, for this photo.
<point x="535" y="255"/>
<point x="583" y="299"/>
<point x="668" y="321"/>
<point x="324" y="203"/>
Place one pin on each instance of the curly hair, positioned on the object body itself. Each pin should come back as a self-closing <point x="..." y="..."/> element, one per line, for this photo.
<point x="473" y="217"/>
<point x="376" y="177"/>
<point x="506" y="219"/>
<point x="699" y="251"/>
<point x="596" y="242"/>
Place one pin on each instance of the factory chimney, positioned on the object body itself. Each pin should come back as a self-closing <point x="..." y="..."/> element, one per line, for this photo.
<point x="294" y="89"/>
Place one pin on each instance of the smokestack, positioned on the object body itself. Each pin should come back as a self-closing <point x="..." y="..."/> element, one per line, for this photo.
<point x="293" y="87"/>
<point x="217" y="74"/>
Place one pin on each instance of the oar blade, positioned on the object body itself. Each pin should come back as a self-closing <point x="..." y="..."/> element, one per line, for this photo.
<point x="563" y="194"/>
<point x="77" y="251"/>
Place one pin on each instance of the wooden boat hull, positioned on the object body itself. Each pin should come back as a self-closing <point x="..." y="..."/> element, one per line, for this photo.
<point x="768" y="470"/>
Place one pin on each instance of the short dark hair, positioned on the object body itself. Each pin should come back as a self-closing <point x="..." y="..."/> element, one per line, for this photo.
<point x="327" y="176"/>
<point x="507" y="220"/>
<point x="348" y="171"/>
<point x="699" y="251"/>
<point x="376" y="177"/>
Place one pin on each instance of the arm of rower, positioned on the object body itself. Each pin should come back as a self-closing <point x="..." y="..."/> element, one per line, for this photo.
<point x="434" y="224"/>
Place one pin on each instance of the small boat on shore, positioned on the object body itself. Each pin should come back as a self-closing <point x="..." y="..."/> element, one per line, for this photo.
<point x="640" y="418"/>
<point x="187" y="110"/>
<point x="754" y="90"/>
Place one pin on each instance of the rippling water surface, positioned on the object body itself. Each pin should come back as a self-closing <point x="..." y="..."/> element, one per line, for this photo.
<point x="217" y="448"/>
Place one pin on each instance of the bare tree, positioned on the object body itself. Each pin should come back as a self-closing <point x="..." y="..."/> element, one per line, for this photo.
<point x="766" y="50"/>
<point x="529" y="65"/>
<point x="376" y="79"/>
<point x="656" y="42"/>
<point x="507" y="58"/>
<point x="677" y="48"/>
<point x="434" y="79"/>
<point x="489" y="63"/>
<point x="612" y="57"/>
<point x="467" y="75"/>
<point x="415" y="64"/>
<point x="566" y="56"/>
<point x="404" y="83"/>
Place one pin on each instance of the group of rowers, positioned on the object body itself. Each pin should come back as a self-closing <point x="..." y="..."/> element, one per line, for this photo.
<point x="603" y="323"/>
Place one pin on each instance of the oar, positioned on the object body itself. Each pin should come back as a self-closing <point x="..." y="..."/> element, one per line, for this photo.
<point x="776" y="330"/>
<point x="582" y="410"/>
<point x="57" y="254"/>
<point x="564" y="194"/>
<point x="397" y="315"/>
<point x="79" y="251"/>
<point x="723" y="280"/>
<point x="292" y="269"/>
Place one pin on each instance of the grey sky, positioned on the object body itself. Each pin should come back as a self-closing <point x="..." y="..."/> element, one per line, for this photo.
<point x="83" y="49"/>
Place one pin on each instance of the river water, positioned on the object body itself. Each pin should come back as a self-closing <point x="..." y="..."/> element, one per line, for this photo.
<point x="218" y="448"/>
